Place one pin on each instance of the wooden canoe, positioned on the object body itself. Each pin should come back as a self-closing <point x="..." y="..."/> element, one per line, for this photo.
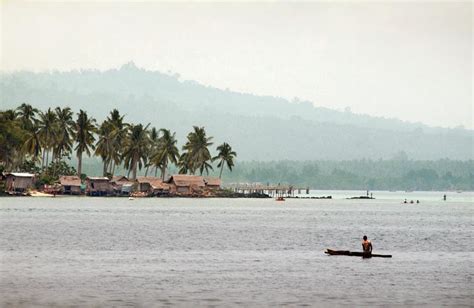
<point x="352" y="253"/>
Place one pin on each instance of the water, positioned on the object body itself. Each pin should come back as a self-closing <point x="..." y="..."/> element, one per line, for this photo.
<point x="82" y="251"/>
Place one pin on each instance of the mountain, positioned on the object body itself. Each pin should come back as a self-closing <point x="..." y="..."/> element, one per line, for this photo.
<point x="258" y="127"/>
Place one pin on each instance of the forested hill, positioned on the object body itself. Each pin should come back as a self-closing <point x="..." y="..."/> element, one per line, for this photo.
<point x="258" y="127"/>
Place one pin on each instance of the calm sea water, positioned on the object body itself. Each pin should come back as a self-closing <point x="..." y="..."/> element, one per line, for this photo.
<point x="78" y="251"/>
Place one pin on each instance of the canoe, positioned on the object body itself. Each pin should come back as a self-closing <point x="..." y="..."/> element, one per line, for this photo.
<point x="352" y="253"/>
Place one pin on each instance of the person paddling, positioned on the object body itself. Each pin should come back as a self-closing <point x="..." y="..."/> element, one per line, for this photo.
<point x="366" y="247"/>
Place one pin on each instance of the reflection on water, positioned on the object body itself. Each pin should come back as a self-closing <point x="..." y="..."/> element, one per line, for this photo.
<point x="158" y="252"/>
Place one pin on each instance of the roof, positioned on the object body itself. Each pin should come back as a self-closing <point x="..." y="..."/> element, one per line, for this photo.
<point x="70" y="180"/>
<point x="119" y="178"/>
<point x="147" y="179"/>
<point x="97" y="178"/>
<point x="186" y="180"/>
<point x="20" y="174"/>
<point x="212" y="181"/>
<point x="153" y="181"/>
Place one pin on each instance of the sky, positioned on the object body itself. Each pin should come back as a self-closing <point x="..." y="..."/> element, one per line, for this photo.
<point x="405" y="60"/>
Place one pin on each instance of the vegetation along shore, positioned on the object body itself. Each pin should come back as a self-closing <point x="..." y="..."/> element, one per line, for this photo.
<point x="40" y="144"/>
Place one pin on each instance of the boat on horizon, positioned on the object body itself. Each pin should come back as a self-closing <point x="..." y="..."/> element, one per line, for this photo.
<point x="332" y="252"/>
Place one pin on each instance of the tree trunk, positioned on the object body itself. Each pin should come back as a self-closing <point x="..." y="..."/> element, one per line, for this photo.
<point x="79" y="164"/>
<point x="156" y="171"/>
<point x="134" y="168"/>
<point x="146" y="171"/>
<point x="104" y="170"/>
<point x="163" y="171"/>
<point x="111" y="167"/>
<point x="42" y="159"/>
<point x="222" y="167"/>
<point x="47" y="159"/>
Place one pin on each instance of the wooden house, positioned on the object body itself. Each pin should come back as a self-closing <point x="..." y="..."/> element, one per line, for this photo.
<point x="70" y="184"/>
<point x="212" y="182"/>
<point x="121" y="185"/>
<point x="186" y="185"/>
<point x="152" y="186"/>
<point x="98" y="186"/>
<point x="18" y="182"/>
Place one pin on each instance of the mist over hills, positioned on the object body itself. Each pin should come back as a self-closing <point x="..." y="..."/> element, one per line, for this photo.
<point x="258" y="127"/>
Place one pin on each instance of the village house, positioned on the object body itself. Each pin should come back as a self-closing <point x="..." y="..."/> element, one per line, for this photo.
<point x="17" y="182"/>
<point x="152" y="186"/>
<point x="121" y="185"/>
<point x="71" y="184"/>
<point x="212" y="183"/>
<point x="186" y="185"/>
<point x="98" y="186"/>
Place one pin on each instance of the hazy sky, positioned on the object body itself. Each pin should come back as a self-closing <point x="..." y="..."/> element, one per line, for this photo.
<point x="409" y="60"/>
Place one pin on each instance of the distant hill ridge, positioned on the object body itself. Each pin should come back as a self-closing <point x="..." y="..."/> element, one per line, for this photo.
<point x="258" y="127"/>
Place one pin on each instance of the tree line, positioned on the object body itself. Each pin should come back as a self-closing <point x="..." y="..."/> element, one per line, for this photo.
<point x="31" y="139"/>
<point x="389" y="174"/>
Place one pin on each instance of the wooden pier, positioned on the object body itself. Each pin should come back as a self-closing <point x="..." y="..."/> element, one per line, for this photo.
<point x="271" y="190"/>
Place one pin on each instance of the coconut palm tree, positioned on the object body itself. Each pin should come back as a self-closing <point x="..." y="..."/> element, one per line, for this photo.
<point x="152" y="148"/>
<point x="12" y="137"/>
<point x="119" y="133"/>
<point x="32" y="145"/>
<point x="105" y="144"/>
<point x="84" y="130"/>
<point x="184" y="163"/>
<point x="166" y="152"/>
<point x="136" y="148"/>
<point x="47" y="131"/>
<point x="225" y="156"/>
<point x="198" y="155"/>
<point x="26" y="114"/>
<point x="65" y="133"/>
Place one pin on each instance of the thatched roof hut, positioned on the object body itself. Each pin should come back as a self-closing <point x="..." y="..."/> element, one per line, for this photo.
<point x="152" y="185"/>
<point x="19" y="181"/>
<point x="212" y="182"/>
<point x="71" y="184"/>
<point x="98" y="186"/>
<point x="122" y="185"/>
<point x="117" y="179"/>
<point x="183" y="184"/>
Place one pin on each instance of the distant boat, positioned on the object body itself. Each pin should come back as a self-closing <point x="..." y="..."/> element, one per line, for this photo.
<point x="352" y="253"/>
<point x="280" y="199"/>
<point x="131" y="198"/>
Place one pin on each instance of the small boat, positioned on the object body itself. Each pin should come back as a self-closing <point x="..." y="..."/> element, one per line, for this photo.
<point x="352" y="253"/>
<point x="131" y="198"/>
<point x="280" y="199"/>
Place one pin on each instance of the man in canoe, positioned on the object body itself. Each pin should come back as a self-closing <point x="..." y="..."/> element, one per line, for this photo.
<point x="366" y="247"/>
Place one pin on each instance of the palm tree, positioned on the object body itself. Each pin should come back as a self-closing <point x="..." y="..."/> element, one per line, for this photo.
<point x="184" y="163"/>
<point x="11" y="139"/>
<point x="136" y="148"/>
<point x="166" y="152"/>
<point x="198" y="155"/>
<point x="47" y="131"/>
<point x="152" y="148"/>
<point x="26" y="115"/>
<point x="32" y="145"/>
<point x="105" y="144"/>
<point x="65" y="132"/>
<point x="84" y="129"/>
<point x="225" y="156"/>
<point x="120" y="131"/>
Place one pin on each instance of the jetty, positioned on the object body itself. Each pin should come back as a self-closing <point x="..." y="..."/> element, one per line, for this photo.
<point x="278" y="190"/>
